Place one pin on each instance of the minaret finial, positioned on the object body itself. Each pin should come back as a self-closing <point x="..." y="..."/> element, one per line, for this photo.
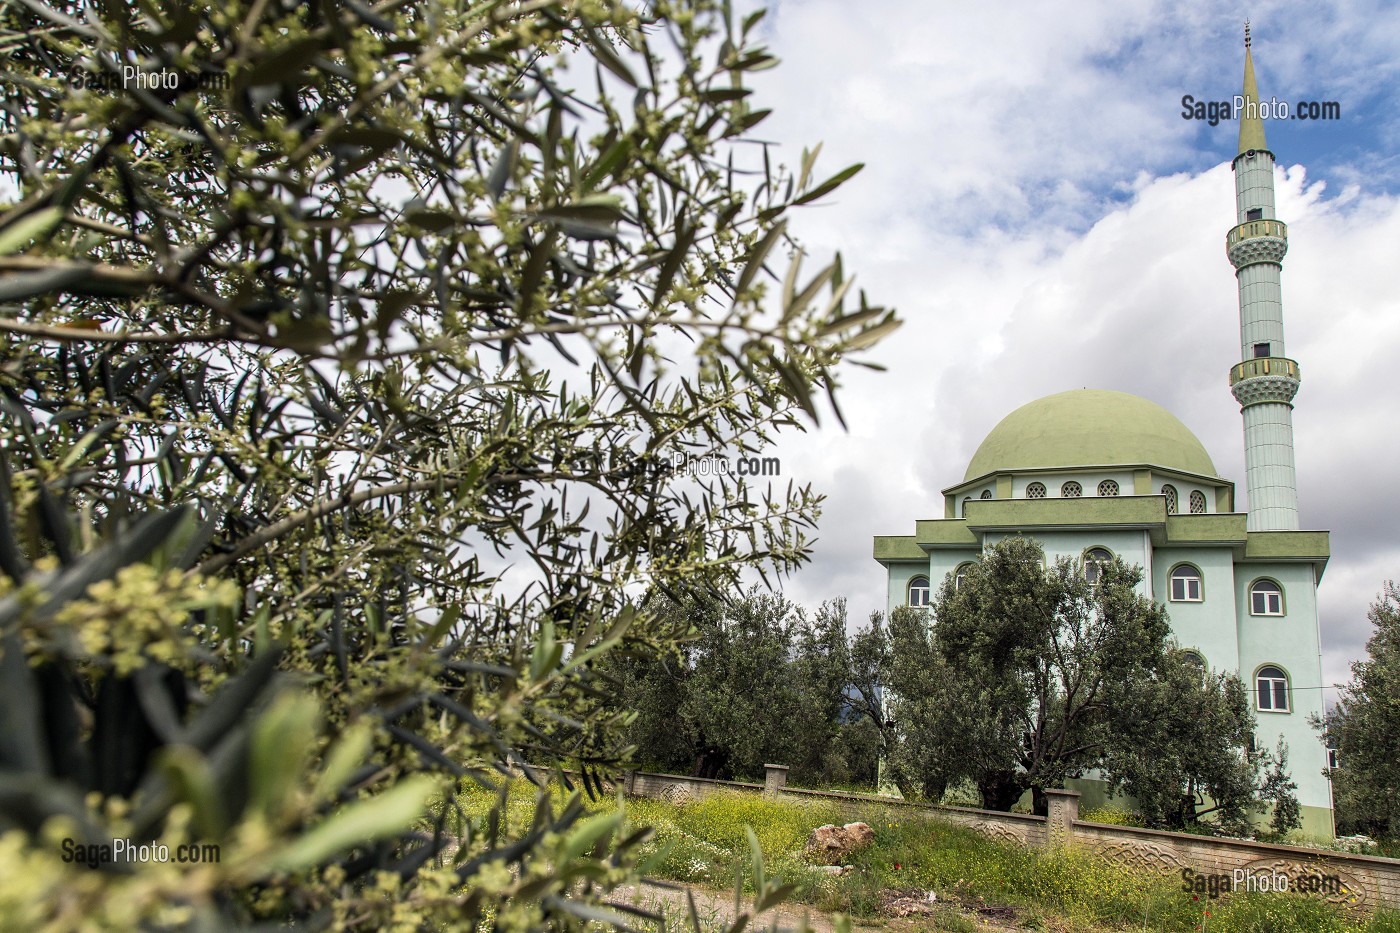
<point x="1246" y="33"/>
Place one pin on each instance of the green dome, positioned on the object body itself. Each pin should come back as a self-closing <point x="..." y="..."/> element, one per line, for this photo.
<point x="1090" y="427"/>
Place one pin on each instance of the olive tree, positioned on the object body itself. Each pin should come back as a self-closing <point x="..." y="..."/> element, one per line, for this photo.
<point x="1023" y="675"/>
<point x="345" y="347"/>
<point x="1364" y="727"/>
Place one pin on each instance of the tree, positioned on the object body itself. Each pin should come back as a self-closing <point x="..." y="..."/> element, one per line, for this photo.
<point x="1184" y="750"/>
<point x="1032" y="660"/>
<point x="870" y="670"/>
<point x="1023" y="676"/>
<point x="340" y="373"/>
<point x="758" y="682"/>
<point x="823" y="750"/>
<point x="1364" y="727"/>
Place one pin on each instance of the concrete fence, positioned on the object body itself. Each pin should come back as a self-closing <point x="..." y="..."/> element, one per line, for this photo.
<point x="1355" y="881"/>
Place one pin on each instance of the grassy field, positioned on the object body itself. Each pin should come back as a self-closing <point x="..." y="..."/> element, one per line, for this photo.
<point x="706" y="842"/>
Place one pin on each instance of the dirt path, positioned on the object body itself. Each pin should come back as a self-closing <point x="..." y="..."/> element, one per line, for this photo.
<point x="715" y="910"/>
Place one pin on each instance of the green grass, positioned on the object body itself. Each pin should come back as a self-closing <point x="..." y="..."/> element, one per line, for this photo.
<point x="706" y="842"/>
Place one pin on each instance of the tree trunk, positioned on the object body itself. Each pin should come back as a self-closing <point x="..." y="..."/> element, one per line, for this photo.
<point x="1000" y="789"/>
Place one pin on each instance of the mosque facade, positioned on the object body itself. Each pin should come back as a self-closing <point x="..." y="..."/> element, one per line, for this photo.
<point x="1093" y="474"/>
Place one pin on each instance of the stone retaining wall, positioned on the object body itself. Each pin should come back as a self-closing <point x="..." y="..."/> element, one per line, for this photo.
<point x="1365" y="881"/>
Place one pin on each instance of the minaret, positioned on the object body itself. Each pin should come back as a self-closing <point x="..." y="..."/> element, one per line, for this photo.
<point x="1266" y="380"/>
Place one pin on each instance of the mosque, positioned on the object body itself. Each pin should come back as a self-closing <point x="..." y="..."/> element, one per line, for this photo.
<point x="1093" y="474"/>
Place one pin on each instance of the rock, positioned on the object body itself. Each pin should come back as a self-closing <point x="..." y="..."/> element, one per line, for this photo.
<point x="832" y="844"/>
<point x="837" y="870"/>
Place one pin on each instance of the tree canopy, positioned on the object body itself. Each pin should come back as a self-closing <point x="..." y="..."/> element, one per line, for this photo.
<point x="1022" y="675"/>
<point x="761" y="681"/>
<point x="1364" y="728"/>
<point x="344" y="345"/>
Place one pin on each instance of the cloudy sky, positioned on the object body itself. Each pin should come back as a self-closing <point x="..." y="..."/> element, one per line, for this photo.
<point x="1043" y="217"/>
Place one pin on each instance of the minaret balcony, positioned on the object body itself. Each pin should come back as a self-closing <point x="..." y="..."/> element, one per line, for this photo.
<point x="1257" y="241"/>
<point x="1265" y="379"/>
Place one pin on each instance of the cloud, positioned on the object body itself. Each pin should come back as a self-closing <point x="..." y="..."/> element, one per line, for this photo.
<point x="1044" y="219"/>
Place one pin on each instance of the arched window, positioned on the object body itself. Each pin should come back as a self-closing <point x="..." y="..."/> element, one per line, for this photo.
<point x="1035" y="491"/>
<point x="1071" y="490"/>
<point x="1169" y="493"/>
<point x="919" y="591"/>
<point x="1108" y="488"/>
<point x="1198" y="502"/>
<point x="1194" y="659"/>
<point x="1265" y="598"/>
<point x="1185" y="584"/>
<point x="960" y="575"/>
<point x="966" y="500"/>
<point x="1095" y="559"/>
<point x="986" y="494"/>
<point x="1271" y="689"/>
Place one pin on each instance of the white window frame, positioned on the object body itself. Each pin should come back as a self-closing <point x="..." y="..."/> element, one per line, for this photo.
<point x="1278" y="688"/>
<point x="1192" y="575"/>
<point x="925" y="589"/>
<point x="1273" y="599"/>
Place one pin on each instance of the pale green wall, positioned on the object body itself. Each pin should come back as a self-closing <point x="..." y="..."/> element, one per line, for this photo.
<point x="1208" y="626"/>
<point x="899" y="577"/>
<point x="1131" y="545"/>
<point x="1291" y="643"/>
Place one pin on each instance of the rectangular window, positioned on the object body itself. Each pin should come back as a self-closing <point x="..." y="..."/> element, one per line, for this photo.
<point x="1280" y="695"/>
<point x="1254" y="213"/>
<point x="1265" y="694"/>
<point x="1261" y="350"/>
<point x="1186" y="589"/>
<point x="1267" y="604"/>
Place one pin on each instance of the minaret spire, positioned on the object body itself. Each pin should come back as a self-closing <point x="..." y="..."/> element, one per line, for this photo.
<point x="1266" y="380"/>
<point x="1251" y="122"/>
